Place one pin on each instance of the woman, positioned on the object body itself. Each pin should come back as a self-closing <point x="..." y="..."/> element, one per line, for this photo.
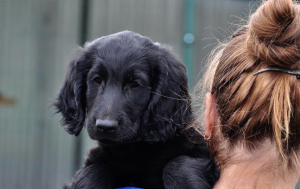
<point x="252" y="116"/>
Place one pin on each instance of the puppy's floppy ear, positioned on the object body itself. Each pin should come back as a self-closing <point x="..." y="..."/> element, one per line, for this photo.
<point x="169" y="109"/>
<point x="71" y="100"/>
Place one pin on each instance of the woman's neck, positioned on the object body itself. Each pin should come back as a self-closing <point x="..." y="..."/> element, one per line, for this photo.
<point x="242" y="176"/>
<point x="256" y="171"/>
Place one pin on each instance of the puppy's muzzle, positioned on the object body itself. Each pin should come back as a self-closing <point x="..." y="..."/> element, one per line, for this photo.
<point x="109" y="126"/>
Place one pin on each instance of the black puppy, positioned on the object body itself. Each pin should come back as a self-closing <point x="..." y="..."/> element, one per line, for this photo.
<point x="132" y="94"/>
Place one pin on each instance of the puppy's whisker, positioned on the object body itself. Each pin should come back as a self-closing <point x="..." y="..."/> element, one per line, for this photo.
<point x="167" y="96"/>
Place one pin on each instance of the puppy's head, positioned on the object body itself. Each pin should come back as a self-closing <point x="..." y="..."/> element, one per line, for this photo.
<point x="125" y="88"/>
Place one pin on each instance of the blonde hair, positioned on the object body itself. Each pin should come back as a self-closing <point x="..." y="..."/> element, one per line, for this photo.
<point x="266" y="106"/>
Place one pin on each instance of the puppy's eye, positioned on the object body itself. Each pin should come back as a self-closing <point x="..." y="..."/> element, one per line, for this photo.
<point x="98" y="80"/>
<point x="131" y="85"/>
<point x="134" y="84"/>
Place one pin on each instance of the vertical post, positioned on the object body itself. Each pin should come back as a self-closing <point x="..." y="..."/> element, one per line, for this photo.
<point x="84" y="21"/>
<point x="82" y="39"/>
<point x="188" y="37"/>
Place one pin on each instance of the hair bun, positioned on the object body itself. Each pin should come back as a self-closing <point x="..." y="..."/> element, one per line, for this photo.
<point x="274" y="33"/>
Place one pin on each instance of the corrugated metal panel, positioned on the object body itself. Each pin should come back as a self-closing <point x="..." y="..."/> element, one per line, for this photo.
<point x="215" y="20"/>
<point x="160" y="20"/>
<point x="36" y="39"/>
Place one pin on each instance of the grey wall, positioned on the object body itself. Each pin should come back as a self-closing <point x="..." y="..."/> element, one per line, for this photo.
<point x="36" y="39"/>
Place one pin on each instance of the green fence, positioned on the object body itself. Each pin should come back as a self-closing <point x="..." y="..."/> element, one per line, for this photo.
<point x="38" y="37"/>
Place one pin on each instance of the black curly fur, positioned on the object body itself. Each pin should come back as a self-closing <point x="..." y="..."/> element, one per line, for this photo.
<point x="141" y="87"/>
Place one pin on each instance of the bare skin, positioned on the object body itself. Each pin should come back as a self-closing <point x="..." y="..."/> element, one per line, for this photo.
<point x="248" y="169"/>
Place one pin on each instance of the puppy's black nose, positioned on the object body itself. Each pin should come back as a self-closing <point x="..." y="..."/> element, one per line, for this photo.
<point x="106" y="125"/>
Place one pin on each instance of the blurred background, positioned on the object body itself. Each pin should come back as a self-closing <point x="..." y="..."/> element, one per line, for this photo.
<point x="38" y="37"/>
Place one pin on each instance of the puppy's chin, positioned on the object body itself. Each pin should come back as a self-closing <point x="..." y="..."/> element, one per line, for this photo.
<point x="113" y="139"/>
<point x="105" y="142"/>
<point x="111" y="143"/>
